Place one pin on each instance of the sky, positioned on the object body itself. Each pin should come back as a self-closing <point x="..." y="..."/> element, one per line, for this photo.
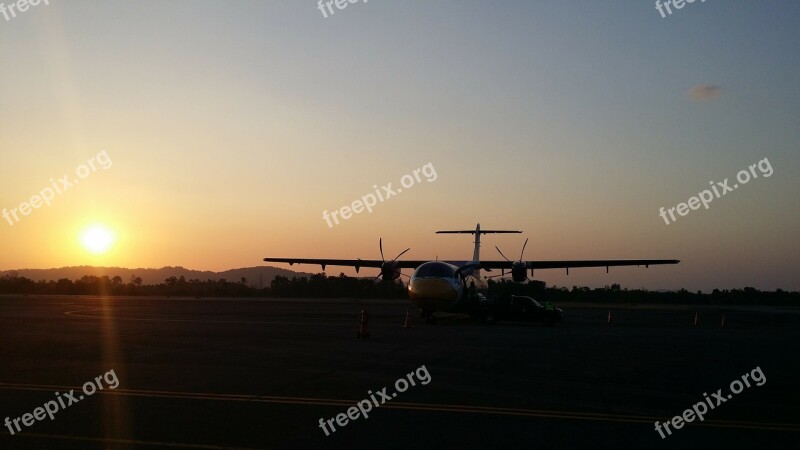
<point x="212" y="134"/>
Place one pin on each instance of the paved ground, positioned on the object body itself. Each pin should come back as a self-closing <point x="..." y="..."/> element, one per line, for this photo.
<point x="261" y="373"/>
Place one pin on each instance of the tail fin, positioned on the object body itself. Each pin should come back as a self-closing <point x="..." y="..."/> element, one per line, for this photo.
<point x="477" y="232"/>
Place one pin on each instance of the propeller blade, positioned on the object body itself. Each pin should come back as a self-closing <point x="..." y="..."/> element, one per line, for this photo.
<point x="380" y="245"/>
<point x="401" y="254"/>
<point x="522" y="253"/>
<point x="501" y="253"/>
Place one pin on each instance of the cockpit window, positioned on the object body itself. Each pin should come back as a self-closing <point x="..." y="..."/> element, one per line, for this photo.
<point x="435" y="269"/>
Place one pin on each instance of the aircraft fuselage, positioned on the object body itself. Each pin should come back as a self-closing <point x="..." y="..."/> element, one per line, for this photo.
<point x="436" y="286"/>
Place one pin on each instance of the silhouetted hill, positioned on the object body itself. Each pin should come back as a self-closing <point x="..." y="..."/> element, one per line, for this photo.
<point x="256" y="276"/>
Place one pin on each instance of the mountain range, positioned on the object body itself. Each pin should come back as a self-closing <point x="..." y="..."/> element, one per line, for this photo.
<point x="256" y="276"/>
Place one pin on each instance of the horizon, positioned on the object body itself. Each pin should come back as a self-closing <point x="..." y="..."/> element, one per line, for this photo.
<point x="213" y="136"/>
<point x="302" y="273"/>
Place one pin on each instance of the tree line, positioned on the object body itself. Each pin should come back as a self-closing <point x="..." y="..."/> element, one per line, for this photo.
<point x="315" y="286"/>
<point x="616" y="294"/>
<point x="322" y="286"/>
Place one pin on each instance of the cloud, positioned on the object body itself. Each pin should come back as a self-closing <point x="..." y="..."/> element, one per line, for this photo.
<point x="704" y="92"/>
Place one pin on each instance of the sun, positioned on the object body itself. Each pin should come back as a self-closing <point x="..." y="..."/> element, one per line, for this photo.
<point x="97" y="239"/>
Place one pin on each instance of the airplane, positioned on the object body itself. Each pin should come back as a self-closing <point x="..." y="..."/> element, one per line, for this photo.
<point x="452" y="286"/>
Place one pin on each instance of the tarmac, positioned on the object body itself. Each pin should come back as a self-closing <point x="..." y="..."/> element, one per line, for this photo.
<point x="253" y="374"/>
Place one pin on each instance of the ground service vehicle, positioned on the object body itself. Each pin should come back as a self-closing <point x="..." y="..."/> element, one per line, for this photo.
<point x="515" y="308"/>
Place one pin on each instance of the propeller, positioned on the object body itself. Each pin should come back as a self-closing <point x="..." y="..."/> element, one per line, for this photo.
<point x="518" y="270"/>
<point x="380" y="245"/>
<point x="389" y="269"/>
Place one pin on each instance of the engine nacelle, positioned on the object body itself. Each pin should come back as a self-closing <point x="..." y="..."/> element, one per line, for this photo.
<point x="518" y="272"/>
<point x="390" y="270"/>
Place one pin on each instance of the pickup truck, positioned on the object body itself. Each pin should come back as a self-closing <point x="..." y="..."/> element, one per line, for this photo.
<point x="515" y="308"/>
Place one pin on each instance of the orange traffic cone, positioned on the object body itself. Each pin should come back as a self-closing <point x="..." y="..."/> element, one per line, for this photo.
<point x="407" y="324"/>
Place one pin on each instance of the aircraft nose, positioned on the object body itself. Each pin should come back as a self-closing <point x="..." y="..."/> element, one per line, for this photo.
<point x="431" y="289"/>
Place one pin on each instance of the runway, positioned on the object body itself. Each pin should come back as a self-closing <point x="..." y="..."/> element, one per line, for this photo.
<point x="252" y="374"/>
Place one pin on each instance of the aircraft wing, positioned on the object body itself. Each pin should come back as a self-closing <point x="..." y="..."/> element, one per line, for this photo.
<point x="408" y="264"/>
<point x="570" y="264"/>
<point x="357" y="263"/>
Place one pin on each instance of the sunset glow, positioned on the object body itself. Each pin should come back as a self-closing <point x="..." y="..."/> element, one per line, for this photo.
<point x="576" y="128"/>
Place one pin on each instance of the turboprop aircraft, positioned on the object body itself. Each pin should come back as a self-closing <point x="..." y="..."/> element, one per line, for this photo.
<point x="449" y="286"/>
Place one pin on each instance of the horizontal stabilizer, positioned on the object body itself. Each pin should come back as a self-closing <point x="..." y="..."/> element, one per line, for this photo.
<point x="477" y="231"/>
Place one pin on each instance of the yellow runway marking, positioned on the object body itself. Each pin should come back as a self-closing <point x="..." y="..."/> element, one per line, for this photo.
<point x="468" y="409"/>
